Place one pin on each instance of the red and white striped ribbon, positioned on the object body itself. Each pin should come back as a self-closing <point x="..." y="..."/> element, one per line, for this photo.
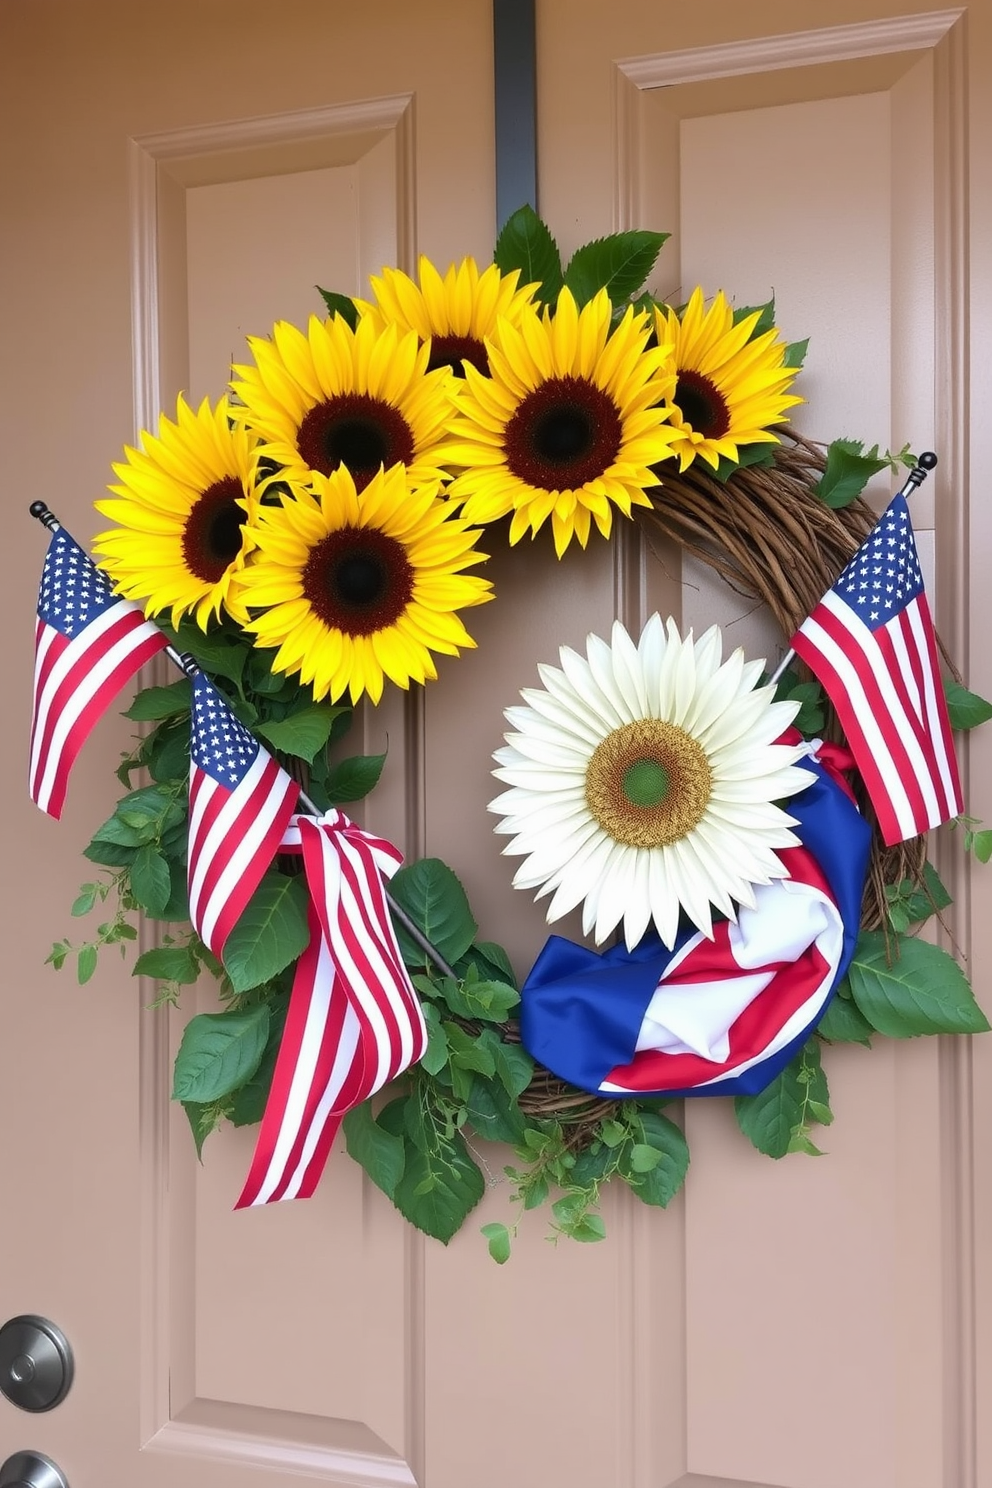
<point x="354" y="1020"/>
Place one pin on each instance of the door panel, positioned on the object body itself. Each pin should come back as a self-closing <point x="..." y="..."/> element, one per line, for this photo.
<point x="798" y="1324"/>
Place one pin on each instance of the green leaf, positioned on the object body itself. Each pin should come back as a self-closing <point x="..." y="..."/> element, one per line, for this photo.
<point x="592" y="1165"/>
<point x="168" y="757"/>
<point x="352" y="779"/>
<point x="219" y="652"/>
<point x="588" y="1230"/>
<point x="150" y="879"/>
<point x="981" y="845"/>
<point x="440" y="1188"/>
<point x="619" y="264"/>
<point x="261" y="677"/>
<point x="436" y="902"/>
<point x="304" y="733"/>
<point x="160" y="702"/>
<point x="848" y="471"/>
<point x="249" y="1100"/>
<point x="339" y="304"/>
<point x="494" y="959"/>
<point x="965" y="709"/>
<point x="271" y="933"/>
<point x="85" y="964"/>
<point x="924" y="991"/>
<point x="911" y="904"/>
<point x="203" y="1117"/>
<point x="809" y="695"/>
<point x="493" y="1113"/>
<point x="769" y="1118"/>
<point x="175" y="963"/>
<point x="660" y="1184"/>
<point x="378" y="1151"/>
<point x="436" y="1055"/>
<point x="176" y="907"/>
<point x="219" y="1052"/>
<point x="58" y="954"/>
<point x="747" y="454"/>
<point x="514" y="1066"/>
<point x="642" y="1158"/>
<point x="488" y="1001"/>
<point x="526" y="244"/>
<point x="765" y="314"/>
<point x="468" y="1053"/>
<point x="795" y="353"/>
<point x="109" y="854"/>
<point x="499" y="1241"/>
<point x="85" y="900"/>
<point x="842" y="1023"/>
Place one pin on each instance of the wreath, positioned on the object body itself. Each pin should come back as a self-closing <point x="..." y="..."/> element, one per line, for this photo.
<point x="311" y="539"/>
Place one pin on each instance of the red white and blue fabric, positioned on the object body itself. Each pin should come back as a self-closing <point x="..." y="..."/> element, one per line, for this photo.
<point x="88" y="645"/>
<point x="354" y="1020"/>
<point x="240" y="803"/>
<point x="721" y="1016"/>
<point x="871" y="642"/>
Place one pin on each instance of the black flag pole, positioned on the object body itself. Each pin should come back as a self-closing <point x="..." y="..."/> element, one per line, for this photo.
<point x="189" y="667"/>
<point x="915" y="479"/>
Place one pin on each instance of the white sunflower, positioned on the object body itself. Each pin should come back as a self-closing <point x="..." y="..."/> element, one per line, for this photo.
<point x="643" y="781"/>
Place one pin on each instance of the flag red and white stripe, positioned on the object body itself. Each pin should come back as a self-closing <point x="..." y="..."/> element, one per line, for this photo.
<point x="871" y="643"/>
<point x="89" y="643"/>
<point x="240" y="802"/>
<point x="354" y="1020"/>
<point x="728" y="1005"/>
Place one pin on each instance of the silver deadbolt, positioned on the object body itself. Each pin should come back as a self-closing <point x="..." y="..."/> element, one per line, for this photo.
<point x="31" y="1470"/>
<point x="35" y="1365"/>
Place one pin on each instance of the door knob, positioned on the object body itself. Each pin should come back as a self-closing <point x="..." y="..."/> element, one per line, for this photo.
<point x="35" y="1363"/>
<point x="31" y="1470"/>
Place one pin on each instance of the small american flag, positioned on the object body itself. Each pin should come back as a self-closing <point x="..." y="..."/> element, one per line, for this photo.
<point x="240" y="801"/>
<point x="871" y="643"/>
<point x="88" y="645"/>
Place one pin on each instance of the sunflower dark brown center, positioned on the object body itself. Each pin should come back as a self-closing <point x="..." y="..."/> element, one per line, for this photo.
<point x="701" y="405"/>
<point x="212" y="534"/>
<point x="648" y="783"/>
<point x="451" y="351"/>
<point x="358" y="580"/>
<point x="562" y="435"/>
<point x="357" y="431"/>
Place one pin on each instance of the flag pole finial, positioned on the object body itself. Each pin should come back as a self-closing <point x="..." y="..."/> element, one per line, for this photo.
<point x="44" y="515"/>
<point x="919" y="472"/>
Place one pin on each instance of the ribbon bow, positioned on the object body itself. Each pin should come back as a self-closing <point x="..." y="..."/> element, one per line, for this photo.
<point x="354" y="1021"/>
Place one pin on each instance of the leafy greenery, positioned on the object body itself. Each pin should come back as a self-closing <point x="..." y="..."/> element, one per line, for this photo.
<point x="339" y="304"/>
<point x="918" y="989"/>
<point x="618" y="263"/>
<point x="779" y="1118"/>
<point x="966" y="710"/>
<point x="850" y="467"/>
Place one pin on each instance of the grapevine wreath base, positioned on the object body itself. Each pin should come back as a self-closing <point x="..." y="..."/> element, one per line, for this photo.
<point x="381" y="441"/>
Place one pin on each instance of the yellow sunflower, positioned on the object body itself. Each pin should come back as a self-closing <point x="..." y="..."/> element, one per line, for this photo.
<point x="181" y="508"/>
<point x="455" y="313"/>
<point x="357" y="586"/>
<point x="729" y="388"/>
<point x="335" y="396"/>
<point x="567" y="426"/>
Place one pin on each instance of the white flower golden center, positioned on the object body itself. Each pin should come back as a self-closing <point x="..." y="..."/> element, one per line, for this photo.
<point x="644" y="781"/>
<point x="648" y="783"/>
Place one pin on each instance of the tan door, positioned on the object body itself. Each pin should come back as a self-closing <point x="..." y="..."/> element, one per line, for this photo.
<point x="176" y="177"/>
